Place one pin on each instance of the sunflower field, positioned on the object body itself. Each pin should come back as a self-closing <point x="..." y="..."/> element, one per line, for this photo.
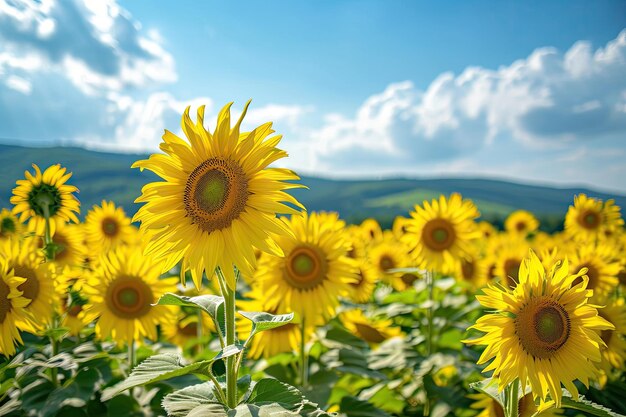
<point x="223" y="296"/>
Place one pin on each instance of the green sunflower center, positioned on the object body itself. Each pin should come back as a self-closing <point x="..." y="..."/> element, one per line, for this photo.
<point x="7" y="226"/>
<point x="216" y="193"/>
<point x="305" y="267"/>
<point x="438" y="235"/>
<point x="129" y="297"/>
<point x="5" y="303"/>
<point x="542" y="327"/>
<point x="30" y="287"/>
<point x="110" y="227"/>
<point x="42" y="196"/>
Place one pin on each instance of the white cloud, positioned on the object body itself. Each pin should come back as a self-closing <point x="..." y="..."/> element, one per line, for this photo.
<point x="18" y="84"/>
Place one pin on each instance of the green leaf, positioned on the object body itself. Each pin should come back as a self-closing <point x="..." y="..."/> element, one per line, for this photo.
<point x="265" y="321"/>
<point x="353" y="407"/>
<point x="251" y="410"/>
<point x="588" y="407"/>
<point x="207" y="303"/>
<point x="123" y="405"/>
<point x="243" y="387"/>
<point x="56" y="334"/>
<point x="489" y="387"/>
<point x="156" y="368"/>
<point x="208" y="410"/>
<point x="270" y="390"/>
<point x="182" y="402"/>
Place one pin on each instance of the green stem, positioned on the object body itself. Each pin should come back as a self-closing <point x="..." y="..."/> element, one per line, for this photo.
<point x="229" y="313"/>
<point x="511" y="392"/>
<point x="131" y="356"/>
<point x="304" y="364"/>
<point x="54" y="372"/>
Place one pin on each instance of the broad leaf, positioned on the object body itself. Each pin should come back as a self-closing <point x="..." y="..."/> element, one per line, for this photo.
<point x="588" y="407"/>
<point x="353" y="407"/>
<point x="265" y="321"/>
<point x="182" y="402"/>
<point x="155" y="368"/>
<point x="270" y="390"/>
<point x="489" y="387"/>
<point x="207" y="303"/>
<point x="251" y="410"/>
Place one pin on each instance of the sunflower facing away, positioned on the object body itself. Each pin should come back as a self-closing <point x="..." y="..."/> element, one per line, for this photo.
<point x="10" y="226"/>
<point x="12" y="312"/>
<point x="107" y="226"/>
<point x="314" y="272"/>
<point x="542" y="332"/>
<point x="521" y="222"/>
<point x="46" y="193"/>
<point x="121" y="292"/>
<point x="441" y="231"/>
<point x="589" y="219"/>
<point x="219" y="200"/>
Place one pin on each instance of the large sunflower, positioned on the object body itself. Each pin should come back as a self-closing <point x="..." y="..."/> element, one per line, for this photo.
<point x="46" y="194"/>
<point x="219" y="200"/>
<point x="542" y="332"/>
<point x="121" y="292"/>
<point x="521" y="222"/>
<point x="27" y="262"/>
<point x="591" y="219"/>
<point x="441" y="231"/>
<point x="10" y="226"/>
<point x="107" y="226"/>
<point x="315" y="270"/>
<point x="12" y="311"/>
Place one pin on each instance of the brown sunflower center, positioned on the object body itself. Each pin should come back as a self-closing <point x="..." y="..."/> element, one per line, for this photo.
<point x="306" y="267"/>
<point x="216" y="193"/>
<point x="42" y="196"/>
<point x="589" y="219"/>
<point x="7" y="226"/>
<point x="369" y="333"/>
<point x="386" y="262"/>
<point x="520" y="226"/>
<point x="542" y="327"/>
<point x="438" y="235"/>
<point x="511" y="270"/>
<point x="110" y="227"/>
<point x="468" y="269"/>
<point x="30" y="287"/>
<point x="408" y="279"/>
<point x="592" y="273"/>
<point x="189" y="329"/>
<point x="129" y="297"/>
<point x="62" y="243"/>
<point x="5" y="303"/>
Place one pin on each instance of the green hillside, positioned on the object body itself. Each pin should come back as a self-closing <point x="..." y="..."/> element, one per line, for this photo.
<point x="101" y="175"/>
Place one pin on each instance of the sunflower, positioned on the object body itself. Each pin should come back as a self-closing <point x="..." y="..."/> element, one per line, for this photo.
<point x="68" y="283"/>
<point x="27" y="262"/>
<point x="614" y="356"/>
<point x="10" y="226"/>
<point x="473" y="270"/>
<point x="107" y="226"/>
<point x="315" y="270"/>
<point x="521" y="222"/>
<point x="602" y="268"/>
<point x="120" y="295"/>
<point x="69" y="241"/>
<point x="12" y="311"/>
<point x="46" y="194"/>
<point x="387" y="254"/>
<point x="268" y="343"/>
<point x="527" y="407"/>
<point x="371" y="231"/>
<point x="542" y="332"/>
<point x="440" y="232"/>
<point x="486" y="229"/>
<point x="405" y="280"/>
<point x="399" y="226"/>
<point x="373" y="332"/>
<point x="590" y="219"/>
<point x="366" y="278"/>
<point x="509" y="256"/>
<point x="184" y="329"/>
<point x="218" y="201"/>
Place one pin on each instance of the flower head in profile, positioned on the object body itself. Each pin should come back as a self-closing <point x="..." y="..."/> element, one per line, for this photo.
<point x="218" y="200"/>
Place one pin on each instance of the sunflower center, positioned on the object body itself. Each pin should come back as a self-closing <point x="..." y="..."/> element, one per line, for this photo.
<point x="438" y="235"/>
<point x="511" y="270"/>
<point x="129" y="297"/>
<point x="542" y="326"/>
<point x="30" y="287"/>
<point x="7" y="226"/>
<point x="386" y="262"/>
<point x="592" y="274"/>
<point x="369" y="333"/>
<point x="520" y="226"/>
<point x="216" y="193"/>
<point x="42" y="196"/>
<point x="589" y="219"/>
<point x="409" y="279"/>
<point x="190" y="329"/>
<point x="74" y="310"/>
<point x="110" y="227"/>
<point x="5" y="303"/>
<point x="467" y="269"/>
<point x="306" y="267"/>
<point x="62" y="247"/>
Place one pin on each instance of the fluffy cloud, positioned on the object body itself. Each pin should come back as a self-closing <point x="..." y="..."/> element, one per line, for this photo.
<point x="548" y="100"/>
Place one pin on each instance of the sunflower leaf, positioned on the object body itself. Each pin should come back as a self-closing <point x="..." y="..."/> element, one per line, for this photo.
<point x="207" y="303"/>
<point x="269" y="391"/>
<point x="265" y="321"/>
<point x="490" y="388"/>
<point x="182" y="402"/>
<point x="588" y="407"/>
<point x="156" y="368"/>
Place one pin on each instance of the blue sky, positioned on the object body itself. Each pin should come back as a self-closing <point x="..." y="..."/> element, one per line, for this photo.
<point x="532" y="91"/>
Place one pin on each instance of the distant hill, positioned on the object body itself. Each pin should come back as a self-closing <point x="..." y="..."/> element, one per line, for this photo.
<point x="101" y="175"/>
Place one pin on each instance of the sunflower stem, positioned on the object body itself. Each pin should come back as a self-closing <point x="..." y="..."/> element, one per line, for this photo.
<point x="304" y="363"/>
<point x="54" y="372"/>
<point x="131" y="356"/>
<point x="49" y="249"/>
<point x="229" y="315"/>
<point x="511" y="392"/>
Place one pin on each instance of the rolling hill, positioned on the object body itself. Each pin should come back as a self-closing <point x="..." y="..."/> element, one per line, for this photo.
<point x="101" y="175"/>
